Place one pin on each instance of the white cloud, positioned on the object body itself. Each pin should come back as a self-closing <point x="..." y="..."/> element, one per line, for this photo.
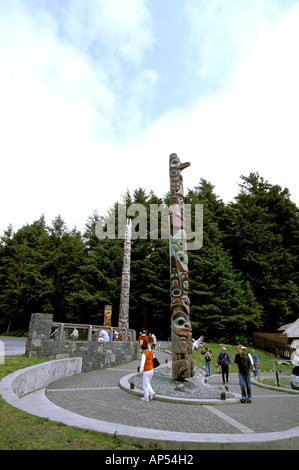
<point x="249" y="124"/>
<point x="60" y="107"/>
<point x="123" y="27"/>
<point x="219" y="32"/>
<point x="76" y="89"/>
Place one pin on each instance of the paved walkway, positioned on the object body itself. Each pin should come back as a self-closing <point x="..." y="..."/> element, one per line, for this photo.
<point x="10" y="346"/>
<point x="270" y="421"/>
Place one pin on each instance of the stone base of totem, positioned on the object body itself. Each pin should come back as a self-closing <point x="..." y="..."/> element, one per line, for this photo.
<point x="193" y="388"/>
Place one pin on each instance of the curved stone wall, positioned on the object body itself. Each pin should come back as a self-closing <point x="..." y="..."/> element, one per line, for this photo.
<point x="40" y="376"/>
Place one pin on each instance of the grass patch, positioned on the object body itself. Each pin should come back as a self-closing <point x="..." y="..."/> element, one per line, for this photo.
<point x="265" y="360"/>
<point x="22" y="431"/>
<point x="283" y="382"/>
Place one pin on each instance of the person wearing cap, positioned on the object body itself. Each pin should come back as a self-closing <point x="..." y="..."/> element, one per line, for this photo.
<point x="243" y="364"/>
<point x="225" y="362"/>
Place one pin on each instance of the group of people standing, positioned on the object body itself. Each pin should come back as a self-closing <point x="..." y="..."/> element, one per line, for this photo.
<point x="244" y="361"/>
<point x="147" y="343"/>
<point x="151" y="340"/>
<point x="104" y="336"/>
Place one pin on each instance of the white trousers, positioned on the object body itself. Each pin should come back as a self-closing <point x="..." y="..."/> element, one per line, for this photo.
<point x="147" y="388"/>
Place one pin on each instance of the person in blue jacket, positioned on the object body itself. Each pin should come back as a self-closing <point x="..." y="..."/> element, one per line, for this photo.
<point x="225" y="362"/>
<point x="255" y="366"/>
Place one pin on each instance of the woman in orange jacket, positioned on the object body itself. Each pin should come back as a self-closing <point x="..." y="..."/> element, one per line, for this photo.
<point x="147" y="369"/>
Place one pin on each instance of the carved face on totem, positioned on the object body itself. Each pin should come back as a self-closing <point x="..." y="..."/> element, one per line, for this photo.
<point x="183" y="366"/>
<point x="180" y="324"/>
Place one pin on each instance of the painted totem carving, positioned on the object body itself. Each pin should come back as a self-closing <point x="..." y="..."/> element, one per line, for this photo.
<point x="107" y="315"/>
<point x="181" y="331"/>
<point x="123" y="319"/>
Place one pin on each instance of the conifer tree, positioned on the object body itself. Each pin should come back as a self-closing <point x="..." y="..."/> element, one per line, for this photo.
<point x="262" y="236"/>
<point x="222" y="306"/>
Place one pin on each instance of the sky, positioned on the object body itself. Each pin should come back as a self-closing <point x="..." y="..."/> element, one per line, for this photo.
<point x="96" y="94"/>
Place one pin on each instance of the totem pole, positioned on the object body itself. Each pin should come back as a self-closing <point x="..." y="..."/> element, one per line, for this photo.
<point x="181" y="331"/>
<point x="107" y="315"/>
<point x="123" y="319"/>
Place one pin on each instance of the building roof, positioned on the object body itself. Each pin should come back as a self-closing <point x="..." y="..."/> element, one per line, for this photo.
<point x="291" y="329"/>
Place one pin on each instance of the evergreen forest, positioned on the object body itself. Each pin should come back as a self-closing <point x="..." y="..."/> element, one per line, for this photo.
<point x="243" y="279"/>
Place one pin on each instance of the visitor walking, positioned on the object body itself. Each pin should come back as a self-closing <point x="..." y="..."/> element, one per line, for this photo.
<point x="208" y="357"/>
<point x="154" y="341"/>
<point x="224" y="362"/>
<point x="255" y="366"/>
<point x="150" y="341"/>
<point x="243" y="364"/>
<point x="147" y="369"/>
<point x="75" y="334"/>
<point x="142" y="338"/>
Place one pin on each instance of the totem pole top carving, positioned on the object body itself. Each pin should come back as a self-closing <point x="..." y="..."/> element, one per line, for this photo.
<point x="181" y="331"/>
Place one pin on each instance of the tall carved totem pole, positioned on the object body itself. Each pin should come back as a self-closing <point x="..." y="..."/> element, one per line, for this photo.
<point x="123" y="319"/>
<point x="181" y="331"/>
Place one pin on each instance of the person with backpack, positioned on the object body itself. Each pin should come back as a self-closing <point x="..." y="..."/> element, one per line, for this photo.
<point x="208" y="357"/>
<point x="224" y="361"/>
<point x="243" y="364"/>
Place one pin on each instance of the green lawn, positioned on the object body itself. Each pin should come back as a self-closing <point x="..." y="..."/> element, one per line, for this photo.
<point x="22" y="431"/>
<point x="265" y="360"/>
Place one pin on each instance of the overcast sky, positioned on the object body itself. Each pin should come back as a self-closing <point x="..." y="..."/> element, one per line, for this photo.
<point x="96" y="94"/>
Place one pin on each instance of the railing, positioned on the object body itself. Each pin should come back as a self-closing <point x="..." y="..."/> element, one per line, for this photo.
<point x="128" y="335"/>
<point x="275" y="343"/>
<point x="277" y="374"/>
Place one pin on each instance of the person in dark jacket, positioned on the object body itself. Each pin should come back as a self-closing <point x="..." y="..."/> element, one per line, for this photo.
<point x="224" y="362"/>
<point x="243" y="364"/>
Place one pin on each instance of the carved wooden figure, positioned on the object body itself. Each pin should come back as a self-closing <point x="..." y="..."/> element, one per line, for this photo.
<point x="181" y="331"/>
<point x="123" y="319"/>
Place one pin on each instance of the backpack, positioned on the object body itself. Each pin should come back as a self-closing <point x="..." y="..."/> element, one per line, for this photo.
<point x="208" y="356"/>
<point x="245" y="361"/>
<point x="223" y="356"/>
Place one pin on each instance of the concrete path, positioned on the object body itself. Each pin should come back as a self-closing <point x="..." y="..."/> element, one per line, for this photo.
<point x="12" y="346"/>
<point x="95" y="400"/>
<point x="271" y="421"/>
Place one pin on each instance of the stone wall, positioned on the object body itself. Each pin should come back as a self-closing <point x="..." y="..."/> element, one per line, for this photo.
<point x="94" y="355"/>
<point x="40" y="376"/>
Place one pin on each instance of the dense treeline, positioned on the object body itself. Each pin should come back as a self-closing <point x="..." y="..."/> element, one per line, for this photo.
<point x="243" y="279"/>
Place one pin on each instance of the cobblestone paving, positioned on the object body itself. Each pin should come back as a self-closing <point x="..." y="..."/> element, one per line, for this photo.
<point x="97" y="395"/>
<point x="269" y="411"/>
